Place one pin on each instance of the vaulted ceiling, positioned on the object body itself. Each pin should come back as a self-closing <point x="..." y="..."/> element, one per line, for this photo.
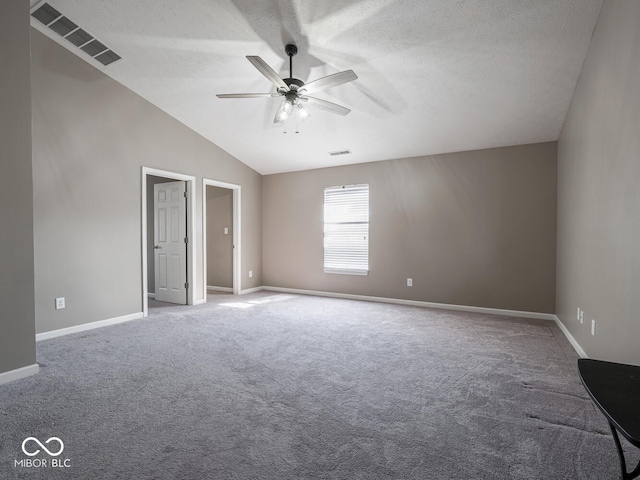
<point x="434" y="76"/>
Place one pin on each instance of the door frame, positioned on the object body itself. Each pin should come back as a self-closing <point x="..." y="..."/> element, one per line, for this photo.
<point x="236" y="232"/>
<point x="191" y="221"/>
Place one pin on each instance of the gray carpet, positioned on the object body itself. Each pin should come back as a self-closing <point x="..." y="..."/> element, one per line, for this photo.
<point x="276" y="386"/>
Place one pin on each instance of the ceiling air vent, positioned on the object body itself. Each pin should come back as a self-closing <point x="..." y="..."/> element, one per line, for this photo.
<point x="46" y="14"/>
<point x="63" y="26"/>
<point x="93" y="48"/>
<point x="340" y="152"/>
<point x="78" y="37"/>
<point x="107" y="57"/>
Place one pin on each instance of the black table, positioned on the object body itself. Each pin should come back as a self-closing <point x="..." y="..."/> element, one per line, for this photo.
<point x="615" y="389"/>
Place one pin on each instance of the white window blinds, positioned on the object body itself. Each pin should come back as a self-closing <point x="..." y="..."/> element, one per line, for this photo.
<point x="346" y="229"/>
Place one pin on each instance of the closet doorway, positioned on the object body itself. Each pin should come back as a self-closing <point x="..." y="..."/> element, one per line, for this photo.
<point x="221" y="236"/>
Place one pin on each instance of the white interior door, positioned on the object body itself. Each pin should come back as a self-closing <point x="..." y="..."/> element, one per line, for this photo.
<point x="170" y="237"/>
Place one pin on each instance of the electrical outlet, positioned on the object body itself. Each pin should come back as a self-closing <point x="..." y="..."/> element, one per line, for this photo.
<point x="593" y="328"/>
<point x="226" y="230"/>
<point x="59" y="303"/>
<point x="581" y="316"/>
<point x="409" y="282"/>
<point x="250" y="273"/>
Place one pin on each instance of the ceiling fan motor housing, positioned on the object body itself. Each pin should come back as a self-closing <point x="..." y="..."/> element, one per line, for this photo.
<point x="293" y="81"/>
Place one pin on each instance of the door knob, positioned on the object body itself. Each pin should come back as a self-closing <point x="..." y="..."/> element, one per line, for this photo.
<point x="156" y="246"/>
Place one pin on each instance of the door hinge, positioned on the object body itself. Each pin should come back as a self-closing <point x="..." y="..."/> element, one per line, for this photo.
<point x="185" y="195"/>
<point x="186" y="239"/>
<point x="186" y="285"/>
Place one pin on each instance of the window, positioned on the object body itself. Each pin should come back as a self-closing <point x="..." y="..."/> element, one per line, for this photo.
<point x="346" y="229"/>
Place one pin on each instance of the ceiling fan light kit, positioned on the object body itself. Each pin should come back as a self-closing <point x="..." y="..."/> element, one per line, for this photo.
<point x="295" y="91"/>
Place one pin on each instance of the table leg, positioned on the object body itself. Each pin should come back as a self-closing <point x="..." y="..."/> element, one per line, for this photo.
<point x="623" y="465"/>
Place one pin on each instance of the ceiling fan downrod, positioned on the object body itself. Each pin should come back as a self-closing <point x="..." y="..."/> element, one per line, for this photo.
<point x="290" y="49"/>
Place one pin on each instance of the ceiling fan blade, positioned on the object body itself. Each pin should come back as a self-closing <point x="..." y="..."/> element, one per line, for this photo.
<point x="324" y="105"/>
<point x="268" y="72"/>
<point x="330" y="81"/>
<point x="247" y="95"/>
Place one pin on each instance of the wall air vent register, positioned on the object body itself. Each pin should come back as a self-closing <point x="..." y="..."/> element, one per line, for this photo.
<point x="70" y="31"/>
<point x="340" y="152"/>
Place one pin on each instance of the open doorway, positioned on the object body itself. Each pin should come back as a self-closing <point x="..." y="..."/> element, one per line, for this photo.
<point x="165" y="265"/>
<point x="221" y="236"/>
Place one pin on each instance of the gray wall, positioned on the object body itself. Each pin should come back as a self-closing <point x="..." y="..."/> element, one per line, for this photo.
<point x="91" y="136"/>
<point x="17" y="334"/>
<point x="474" y="228"/>
<point x="219" y="245"/>
<point x="599" y="192"/>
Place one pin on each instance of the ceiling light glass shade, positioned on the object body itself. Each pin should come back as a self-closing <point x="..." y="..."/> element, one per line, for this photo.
<point x="302" y="112"/>
<point x="284" y="110"/>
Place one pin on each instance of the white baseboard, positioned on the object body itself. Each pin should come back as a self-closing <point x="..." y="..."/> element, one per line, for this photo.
<point x="417" y="303"/>
<point x="199" y="301"/>
<point x="443" y="306"/>
<point x="572" y="340"/>
<point x="87" y="326"/>
<point x="18" y="373"/>
<point x="151" y="295"/>
<point x="252" y="290"/>
<point x="220" y="289"/>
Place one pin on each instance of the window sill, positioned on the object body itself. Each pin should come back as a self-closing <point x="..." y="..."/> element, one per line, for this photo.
<point x="346" y="272"/>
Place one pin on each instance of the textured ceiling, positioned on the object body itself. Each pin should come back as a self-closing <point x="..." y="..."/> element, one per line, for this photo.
<point x="435" y="76"/>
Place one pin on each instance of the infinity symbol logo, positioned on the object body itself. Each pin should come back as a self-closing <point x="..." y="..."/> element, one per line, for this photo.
<point x="31" y="454"/>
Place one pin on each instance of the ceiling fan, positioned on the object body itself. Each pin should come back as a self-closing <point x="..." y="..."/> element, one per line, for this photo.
<point x="295" y="91"/>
